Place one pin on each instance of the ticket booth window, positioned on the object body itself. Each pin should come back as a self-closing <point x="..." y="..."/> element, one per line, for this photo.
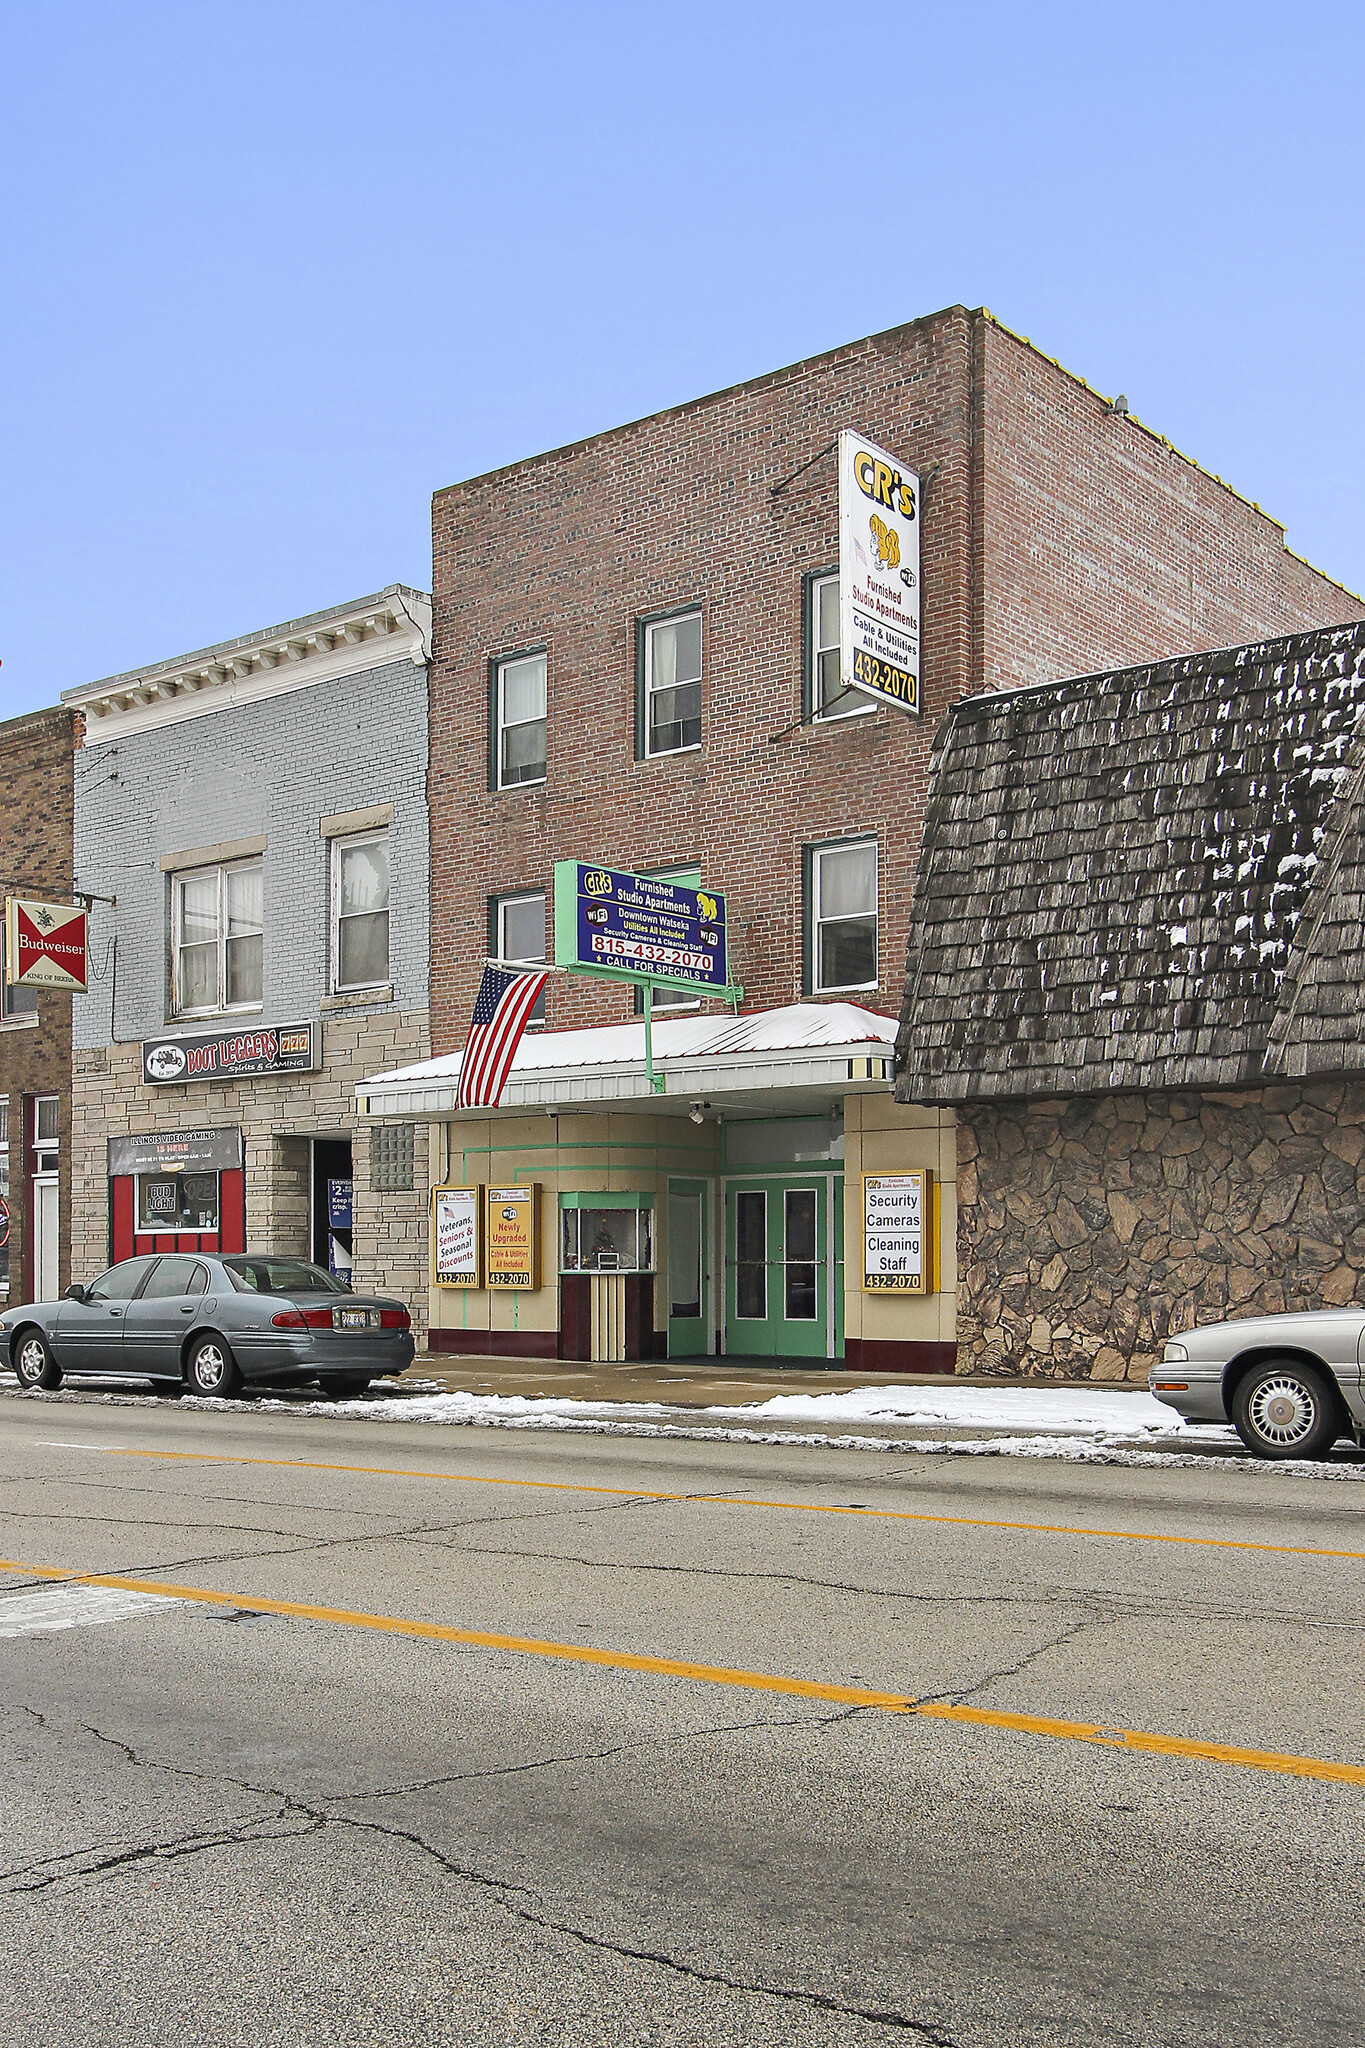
<point x="607" y="1241"/>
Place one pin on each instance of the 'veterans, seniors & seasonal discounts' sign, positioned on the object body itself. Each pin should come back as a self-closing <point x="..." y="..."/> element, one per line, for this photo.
<point x="457" y="1236"/>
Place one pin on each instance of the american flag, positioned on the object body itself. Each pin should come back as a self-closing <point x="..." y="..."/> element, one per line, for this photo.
<point x="505" y="1000"/>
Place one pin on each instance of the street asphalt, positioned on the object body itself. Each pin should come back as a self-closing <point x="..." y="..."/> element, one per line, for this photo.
<point x="432" y="1734"/>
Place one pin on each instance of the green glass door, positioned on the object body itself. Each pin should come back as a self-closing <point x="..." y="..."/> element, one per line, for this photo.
<point x="776" y="1269"/>
<point x="688" y="1273"/>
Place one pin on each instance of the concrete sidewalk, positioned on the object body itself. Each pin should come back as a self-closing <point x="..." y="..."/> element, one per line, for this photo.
<point x="682" y="1383"/>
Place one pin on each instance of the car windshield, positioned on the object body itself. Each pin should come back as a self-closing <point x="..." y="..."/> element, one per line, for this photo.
<point x="280" y="1276"/>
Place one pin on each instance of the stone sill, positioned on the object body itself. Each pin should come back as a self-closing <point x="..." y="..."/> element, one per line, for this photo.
<point x="28" y="1022"/>
<point x="359" y="998"/>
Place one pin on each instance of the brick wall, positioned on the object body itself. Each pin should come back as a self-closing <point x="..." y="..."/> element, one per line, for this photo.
<point x="1088" y="1230"/>
<point x="1104" y="546"/>
<point x="35" y="1050"/>
<point x="1041" y="521"/>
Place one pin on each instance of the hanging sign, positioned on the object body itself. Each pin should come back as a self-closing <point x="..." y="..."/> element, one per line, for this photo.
<point x="45" y="945"/>
<point x="229" y="1055"/>
<point x="878" y="574"/>
<point x="457" y="1237"/>
<point x="898" y="1235"/>
<point x="512" y="1239"/>
<point x="170" y="1152"/>
<point x="639" y="927"/>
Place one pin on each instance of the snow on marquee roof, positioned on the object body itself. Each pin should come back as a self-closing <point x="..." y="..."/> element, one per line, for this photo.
<point x="801" y="1046"/>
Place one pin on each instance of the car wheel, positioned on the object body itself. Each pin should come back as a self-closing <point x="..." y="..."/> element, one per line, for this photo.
<point x="1287" y="1410"/>
<point x="34" y="1363"/>
<point x="213" y="1369"/>
<point x="346" y="1386"/>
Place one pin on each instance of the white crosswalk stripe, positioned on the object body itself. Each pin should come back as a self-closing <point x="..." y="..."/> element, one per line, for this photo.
<point x="56" y="1607"/>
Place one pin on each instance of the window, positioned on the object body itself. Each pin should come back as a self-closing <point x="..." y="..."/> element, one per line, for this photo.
<point x="518" y="720"/>
<point x="14" y="1002"/>
<point x="281" y="1276"/>
<point x="177" y="1201"/>
<point x="216" y="913"/>
<point x="606" y="1241"/>
<point x="360" y="911"/>
<point x="392" y="1158"/>
<point x="826" y="695"/>
<point x="173" y="1277"/>
<point x="121" y="1282"/>
<point x="517" y="933"/>
<point x="45" y="1120"/>
<point x="841" y="915"/>
<point x="669" y="685"/>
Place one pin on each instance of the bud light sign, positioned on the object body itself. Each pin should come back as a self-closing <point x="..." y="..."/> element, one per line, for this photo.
<point x="639" y="927"/>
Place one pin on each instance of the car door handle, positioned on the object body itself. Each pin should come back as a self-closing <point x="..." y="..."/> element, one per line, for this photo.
<point x="116" y="1311"/>
<point x="187" y="1308"/>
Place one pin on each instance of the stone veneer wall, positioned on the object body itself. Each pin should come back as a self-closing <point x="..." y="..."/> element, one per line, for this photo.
<point x="1089" y="1229"/>
<point x="277" y="1116"/>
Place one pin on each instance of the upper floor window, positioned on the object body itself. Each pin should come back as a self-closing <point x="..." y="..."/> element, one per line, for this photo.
<point x="828" y="697"/>
<point x="519" y="701"/>
<point x="216" y="941"/>
<point x="841" y="915"/>
<point x="517" y="934"/>
<point x="360" y="911"/>
<point x="670" y="684"/>
<point x="16" y="1001"/>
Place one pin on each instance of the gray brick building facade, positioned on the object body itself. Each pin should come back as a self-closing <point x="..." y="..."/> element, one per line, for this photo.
<point x="240" y="803"/>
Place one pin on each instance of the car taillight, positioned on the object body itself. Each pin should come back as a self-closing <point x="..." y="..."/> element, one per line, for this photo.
<point x="394" y="1319"/>
<point x="288" y="1319"/>
<point x="318" y="1318"/>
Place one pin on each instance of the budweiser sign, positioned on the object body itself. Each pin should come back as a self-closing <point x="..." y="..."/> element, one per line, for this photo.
<point x="45" y="945"/>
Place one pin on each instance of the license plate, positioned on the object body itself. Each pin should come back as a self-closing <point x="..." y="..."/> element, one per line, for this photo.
<point x="354" y="1318"/>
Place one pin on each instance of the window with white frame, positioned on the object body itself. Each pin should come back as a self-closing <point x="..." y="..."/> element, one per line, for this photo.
<point x="829" y="697"/>
<point x="672" y="684"/>
<point x="16" y="1001"/>
<point x="360" y="911"/>
<point x="842" y="913"/>
<point x="216" y="915"/>
<point x="519" y="935"/>
<point x="521" y="687"/>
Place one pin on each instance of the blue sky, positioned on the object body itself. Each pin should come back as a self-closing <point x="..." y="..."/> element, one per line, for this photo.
<point x="274" y="273"/>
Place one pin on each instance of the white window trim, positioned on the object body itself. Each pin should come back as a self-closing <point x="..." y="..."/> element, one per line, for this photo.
<point x="533" y="1023"/>
<point x="651" y="627"/>
<point x="141" y="1229"/>
<point x="340" y="845"/>
<point x="820" y="987"/>
<point x="220" y="1008"/>
<point x="503" y="664"/>
<point x="859" y="704"/>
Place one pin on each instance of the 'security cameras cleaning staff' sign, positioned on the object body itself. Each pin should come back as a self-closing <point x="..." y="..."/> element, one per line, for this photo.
<point x="638" y="927"/>
<point x="898" y="1233"/>
<point x="878" y="574"/>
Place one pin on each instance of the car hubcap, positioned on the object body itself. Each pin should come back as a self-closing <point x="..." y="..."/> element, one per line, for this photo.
<point x="31" y="1361"/>
<point x="1283" y="1411"/>
<point x="210" y="1368"/>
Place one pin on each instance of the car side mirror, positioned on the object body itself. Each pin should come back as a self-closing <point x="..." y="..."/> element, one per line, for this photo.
<point x="75" y="1292"/>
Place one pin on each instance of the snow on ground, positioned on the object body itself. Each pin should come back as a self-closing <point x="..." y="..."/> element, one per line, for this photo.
<point x="1083" y="1407"/>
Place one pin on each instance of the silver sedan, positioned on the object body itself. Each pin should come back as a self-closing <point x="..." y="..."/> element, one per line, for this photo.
<point x="1290" y="1384"/>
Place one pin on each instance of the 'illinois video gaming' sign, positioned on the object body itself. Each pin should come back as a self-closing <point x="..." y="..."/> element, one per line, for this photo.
<point x="639" y="927"/>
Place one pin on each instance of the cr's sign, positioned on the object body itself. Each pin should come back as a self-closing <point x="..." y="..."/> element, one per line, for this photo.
<point x="879" y="571"/>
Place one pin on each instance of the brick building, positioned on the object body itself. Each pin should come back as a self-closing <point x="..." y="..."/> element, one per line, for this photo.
<point x="1134" y="981"/>
<point x="35" y="1023"/>
<point x="632" y="645"/>
<point x="259" y="811"/>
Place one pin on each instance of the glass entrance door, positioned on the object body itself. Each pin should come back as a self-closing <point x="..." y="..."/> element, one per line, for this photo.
<point x="776" y="1269"/>
<point x="688" y="1277"/>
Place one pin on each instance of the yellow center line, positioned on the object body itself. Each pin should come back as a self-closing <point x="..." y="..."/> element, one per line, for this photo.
<point x="726" y="1500"/>
<point x="1135" y="1741"/>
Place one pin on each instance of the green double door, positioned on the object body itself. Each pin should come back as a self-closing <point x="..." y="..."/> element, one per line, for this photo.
<point x="784" y="1267"/>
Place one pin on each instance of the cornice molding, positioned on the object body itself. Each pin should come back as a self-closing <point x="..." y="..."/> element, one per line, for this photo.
<point x="392" y="626"/>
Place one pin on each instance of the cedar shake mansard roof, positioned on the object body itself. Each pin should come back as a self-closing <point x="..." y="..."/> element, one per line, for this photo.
<point x="1147" y="879"/>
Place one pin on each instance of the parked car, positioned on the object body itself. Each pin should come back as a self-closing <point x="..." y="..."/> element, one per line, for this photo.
<point x="1290" y="1384"/>
<point x="197" y="1321"/>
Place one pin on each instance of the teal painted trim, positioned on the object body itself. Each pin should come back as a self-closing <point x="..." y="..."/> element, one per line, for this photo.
<point x="609" y="1198"/>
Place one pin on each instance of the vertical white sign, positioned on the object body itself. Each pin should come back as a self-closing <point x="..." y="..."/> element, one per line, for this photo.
<point x="455" y="1237"/>
<point x="897" y="1220"/>
<point x="878" y="574"/>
